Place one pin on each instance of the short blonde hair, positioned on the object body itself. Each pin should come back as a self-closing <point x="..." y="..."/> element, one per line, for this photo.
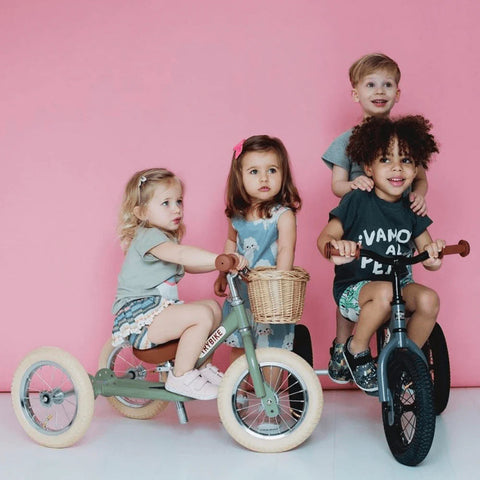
<point x="138" y="192"/>
<point x="370" y="63"/>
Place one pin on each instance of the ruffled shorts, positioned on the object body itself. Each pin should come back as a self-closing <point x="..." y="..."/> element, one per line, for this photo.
<point x="132" y="321"/>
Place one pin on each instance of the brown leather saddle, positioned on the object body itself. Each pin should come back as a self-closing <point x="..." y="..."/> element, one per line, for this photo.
<point x="159" y="354"/>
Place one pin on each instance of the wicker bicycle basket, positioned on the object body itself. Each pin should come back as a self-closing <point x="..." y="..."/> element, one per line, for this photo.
<point x="277" y="296"/>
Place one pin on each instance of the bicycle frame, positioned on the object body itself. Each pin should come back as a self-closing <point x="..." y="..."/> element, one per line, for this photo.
<point x="399" y="338"/>
<point x="106" y="383"/>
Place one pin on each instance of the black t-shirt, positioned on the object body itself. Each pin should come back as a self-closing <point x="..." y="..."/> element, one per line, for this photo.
<point x="383" y="227"/>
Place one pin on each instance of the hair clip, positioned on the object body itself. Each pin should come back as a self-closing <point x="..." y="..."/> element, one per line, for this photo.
<point x="238" y="149"/>
<point x="142" y="180"/>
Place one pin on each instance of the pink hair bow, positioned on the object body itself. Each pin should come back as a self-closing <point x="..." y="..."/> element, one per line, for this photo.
<point x="238" y="149"/>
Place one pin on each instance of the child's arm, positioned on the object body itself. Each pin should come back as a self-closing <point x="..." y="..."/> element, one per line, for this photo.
<point x="194" y="259"/>
<point x="341" y="185"/>
<point x="418" y="193"/>
<point x="424" y="242"/>
<point x="220" y="284"/>
<point x="287" y="238"/>
<point x="333" y="233"/>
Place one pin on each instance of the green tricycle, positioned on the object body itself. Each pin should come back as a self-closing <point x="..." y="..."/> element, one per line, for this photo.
<point x="269" y="400"/>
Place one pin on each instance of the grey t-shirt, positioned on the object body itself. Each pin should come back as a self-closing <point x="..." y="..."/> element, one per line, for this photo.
<point x="335" y="155"/>
<point x="142" y="272"/>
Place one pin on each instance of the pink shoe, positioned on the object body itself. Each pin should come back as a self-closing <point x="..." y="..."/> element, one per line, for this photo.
<point x="211" y="373"/>
<point x="192" y="385"/>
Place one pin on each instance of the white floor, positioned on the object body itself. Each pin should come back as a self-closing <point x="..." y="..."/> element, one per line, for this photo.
<point x="348" y="443"/>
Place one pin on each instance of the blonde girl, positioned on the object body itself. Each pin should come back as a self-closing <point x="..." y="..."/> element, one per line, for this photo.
<point x="261" y="202"/>
<point x="147" y="309"/>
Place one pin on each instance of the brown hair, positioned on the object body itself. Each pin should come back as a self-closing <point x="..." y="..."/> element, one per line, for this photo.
<point x="370" y="63"/>
<point x="138" y="192"/>
<point x="237" y="200"/>
<point x="374" y="136"/>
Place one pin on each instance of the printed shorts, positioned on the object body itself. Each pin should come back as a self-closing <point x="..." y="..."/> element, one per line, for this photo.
<point x="348" y="304"/>
<point x="132" y="321"/>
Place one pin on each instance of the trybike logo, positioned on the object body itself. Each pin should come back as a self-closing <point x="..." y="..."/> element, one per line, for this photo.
<point x="212" y="340"/>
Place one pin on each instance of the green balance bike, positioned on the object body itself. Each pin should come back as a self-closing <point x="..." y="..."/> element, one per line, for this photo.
<point x="270" y="399"/>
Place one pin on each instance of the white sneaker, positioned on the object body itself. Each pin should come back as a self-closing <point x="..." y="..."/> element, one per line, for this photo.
<point x="191" y="384"/>
<point x="211" y="373"/>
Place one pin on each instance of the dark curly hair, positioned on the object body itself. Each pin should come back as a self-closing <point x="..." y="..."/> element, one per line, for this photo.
<point x="375" y="135"/>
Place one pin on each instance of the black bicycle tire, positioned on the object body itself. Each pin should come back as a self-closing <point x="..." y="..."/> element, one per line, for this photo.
<point x="302" y="343"/>
<point x="411" y="388"/>
<point x="436" y="352"/>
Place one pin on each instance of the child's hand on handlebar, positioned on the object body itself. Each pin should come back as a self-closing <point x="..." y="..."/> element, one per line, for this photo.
<point x="220" y="285"/>
<point x="346" y="250"/>
<point x="434" y="249"/>
<point x="242" y="263"/>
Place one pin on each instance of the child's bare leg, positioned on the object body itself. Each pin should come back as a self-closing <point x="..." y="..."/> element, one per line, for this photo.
<point x="374" y="300"/>
<point x="424" y="304"/>
<point x="344" y="328"/>
<point x="192" y="324"/>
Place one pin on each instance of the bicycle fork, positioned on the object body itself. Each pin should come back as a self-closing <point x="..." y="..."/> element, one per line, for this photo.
<point x="399" y="339"/>
<point x="262" y="389"/>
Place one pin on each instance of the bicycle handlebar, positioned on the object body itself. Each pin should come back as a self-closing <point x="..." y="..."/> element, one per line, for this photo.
<point x="462" y="248"/>
<point x="226" y="262"/>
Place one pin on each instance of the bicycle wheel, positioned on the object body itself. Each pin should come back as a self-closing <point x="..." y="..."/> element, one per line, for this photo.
<point x="52" y="397"/>
<point x="411" y="434"/>
<point x="243" y="415"/>
<point x="436" y="352"/>
<point x="123" y="363"/>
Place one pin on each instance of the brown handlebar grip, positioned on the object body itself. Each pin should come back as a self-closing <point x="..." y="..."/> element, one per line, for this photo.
<point x="329" y="251"/>
<point x="462" y="248"/>
<point x="226" y="262"/>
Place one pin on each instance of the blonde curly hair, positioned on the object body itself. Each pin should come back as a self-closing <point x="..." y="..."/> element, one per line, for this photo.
<point x="138" y="192"/>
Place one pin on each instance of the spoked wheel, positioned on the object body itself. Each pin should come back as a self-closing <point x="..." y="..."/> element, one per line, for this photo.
<point x="124" y="364"/>
<point x="52" y="397"/>
<point x="436" y="352"/>
<point x="243" y="415"/>
<point x="410" y="436"/>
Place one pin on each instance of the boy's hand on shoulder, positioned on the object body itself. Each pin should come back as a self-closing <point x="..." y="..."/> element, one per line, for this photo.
<point x="346" y="249"/>
<point x="362" y="183"/>
<point x="418" y="203"/>
<point x="433" y="249"/>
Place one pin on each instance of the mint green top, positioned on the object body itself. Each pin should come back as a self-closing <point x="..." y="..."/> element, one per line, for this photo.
<point x="143" y="274"/>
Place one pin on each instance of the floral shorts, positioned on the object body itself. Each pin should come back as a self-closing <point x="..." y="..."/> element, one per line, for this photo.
<point x="132" y="321"/>
<point x="348" y="304"/>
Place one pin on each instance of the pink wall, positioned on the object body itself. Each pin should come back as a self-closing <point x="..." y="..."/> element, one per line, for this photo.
<point x="94" y="90"/>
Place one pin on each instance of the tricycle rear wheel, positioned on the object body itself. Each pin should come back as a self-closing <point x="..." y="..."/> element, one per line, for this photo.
<point x="124" y="364"/>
